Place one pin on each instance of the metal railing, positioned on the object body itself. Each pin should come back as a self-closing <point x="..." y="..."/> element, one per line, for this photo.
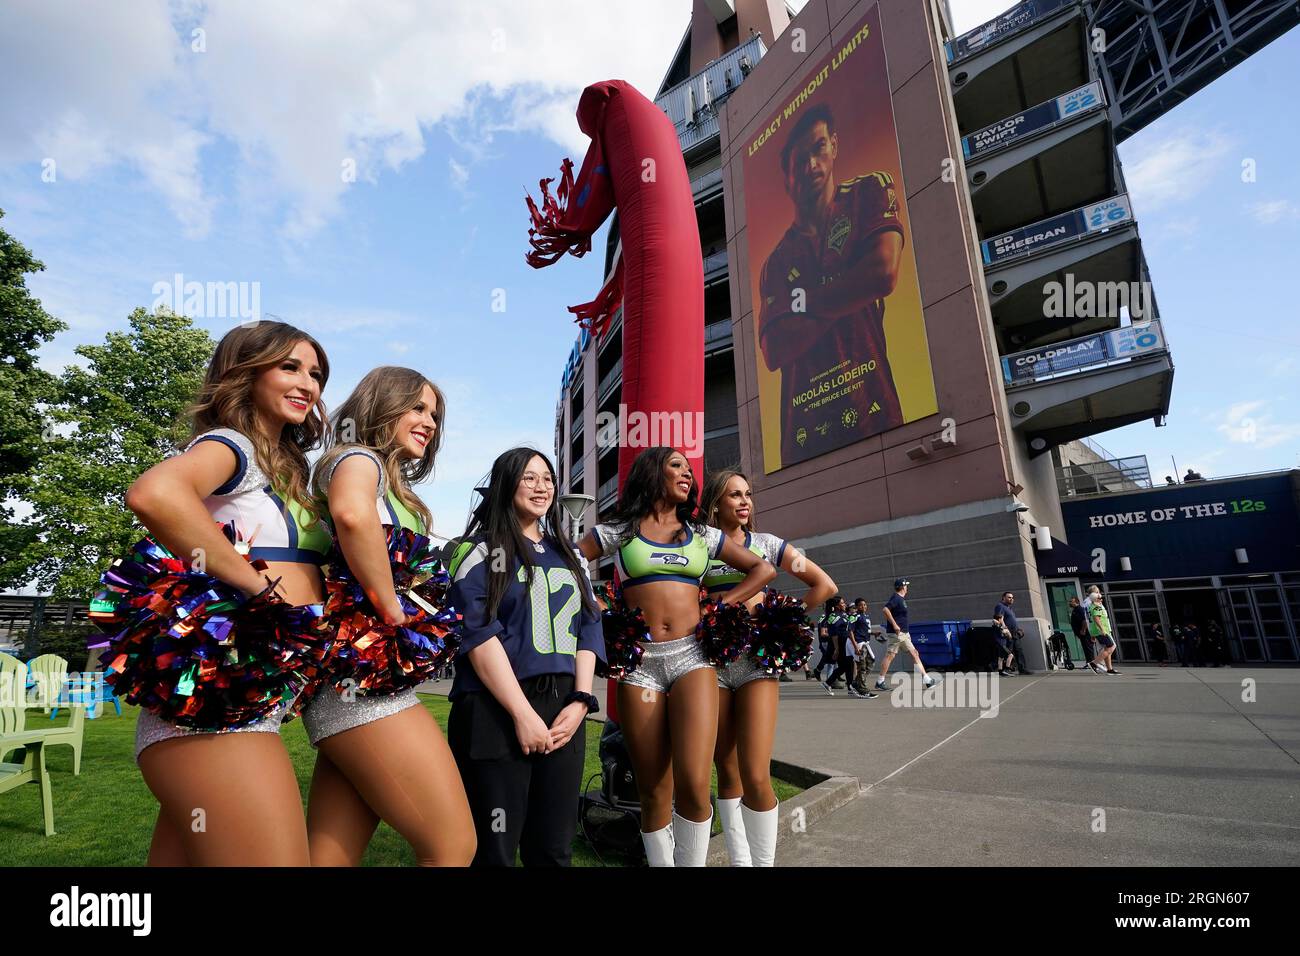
<point x="1103" y="477"/>
<point x="692" y="104"/>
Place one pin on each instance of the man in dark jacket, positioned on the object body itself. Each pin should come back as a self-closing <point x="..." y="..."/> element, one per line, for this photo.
<point x="1079" y="625"/>
<point x="1004" y="607"/>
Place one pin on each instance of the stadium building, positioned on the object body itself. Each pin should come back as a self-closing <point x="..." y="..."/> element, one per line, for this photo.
<point x="909" y="381"/>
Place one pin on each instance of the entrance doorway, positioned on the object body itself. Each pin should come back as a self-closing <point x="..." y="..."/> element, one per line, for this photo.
<point x="1199" y="606"/>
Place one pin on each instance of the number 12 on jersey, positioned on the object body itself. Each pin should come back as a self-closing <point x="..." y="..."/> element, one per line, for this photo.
<point x="553" y="633"/>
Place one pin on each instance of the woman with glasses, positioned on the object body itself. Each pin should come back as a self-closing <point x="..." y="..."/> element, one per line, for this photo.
<point x="530" y="639"/>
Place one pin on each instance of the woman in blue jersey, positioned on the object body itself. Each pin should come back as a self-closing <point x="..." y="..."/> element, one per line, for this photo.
<point x="530" y="640"/>
<point x="747" y="695"/>
<point x="255" y="418"/>
<point x="668" y="706"/>
<point x="381" y="756"/>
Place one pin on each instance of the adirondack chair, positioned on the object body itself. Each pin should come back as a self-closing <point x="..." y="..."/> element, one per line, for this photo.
<point x="13" y="684"/>
<point x="77" y="692"/>
<point x="47" y="675"/>
<point x="95" y="690"/>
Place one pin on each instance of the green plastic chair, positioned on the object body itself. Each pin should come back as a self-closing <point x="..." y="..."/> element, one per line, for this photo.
<point x="47" y="675"/>
<point x="77" y="692"/>
<point x="13" y="692"/>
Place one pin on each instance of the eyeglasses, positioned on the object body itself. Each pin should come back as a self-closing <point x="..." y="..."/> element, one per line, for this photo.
<point x="530" y="480"/>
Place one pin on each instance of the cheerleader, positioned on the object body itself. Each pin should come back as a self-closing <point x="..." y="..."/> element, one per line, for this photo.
<point x="381" y="756"/>
<point x="747" y="695"/>
<point x="229" y="796"/>
<point x="668" y="705"/>
<point x="530" y="640"/>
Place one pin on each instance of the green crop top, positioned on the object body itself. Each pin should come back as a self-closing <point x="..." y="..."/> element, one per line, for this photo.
<point x="642" y="561"/>
<point x="722" y="577"/>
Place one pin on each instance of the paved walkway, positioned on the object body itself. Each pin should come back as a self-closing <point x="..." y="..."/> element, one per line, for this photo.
<point x="1157" y="767"/>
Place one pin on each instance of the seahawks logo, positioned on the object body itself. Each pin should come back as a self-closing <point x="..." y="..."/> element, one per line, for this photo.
<point x="668" y="557"/>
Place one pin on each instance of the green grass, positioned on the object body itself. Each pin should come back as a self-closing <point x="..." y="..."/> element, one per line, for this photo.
<point x="105" y="816"/>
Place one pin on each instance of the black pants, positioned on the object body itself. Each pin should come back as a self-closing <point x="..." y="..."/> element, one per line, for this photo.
<point x="843" y="668"/>
<point x="520" y="802"/>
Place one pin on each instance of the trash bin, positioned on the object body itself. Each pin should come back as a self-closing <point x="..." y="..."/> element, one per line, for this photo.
<point x="939" y="643"/>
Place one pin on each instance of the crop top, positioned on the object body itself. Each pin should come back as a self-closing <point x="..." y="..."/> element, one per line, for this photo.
<point x="390" y="508"/>
<point x="641" y="561"/>
<point x="721" y="577"/>
<point x="276" y="531"/>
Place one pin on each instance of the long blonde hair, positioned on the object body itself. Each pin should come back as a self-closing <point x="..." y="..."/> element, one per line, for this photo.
<point x="368" y="418"/>
<point x="225" y="400"/>
<point x="714" y="489"/>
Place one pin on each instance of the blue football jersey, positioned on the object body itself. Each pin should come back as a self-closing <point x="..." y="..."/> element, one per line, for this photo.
<point x="542" y="626"/>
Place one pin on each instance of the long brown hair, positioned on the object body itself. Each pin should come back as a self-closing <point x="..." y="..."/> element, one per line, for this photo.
<point x="225" y="400"/>
<point x="714" y="489"/>
<point x="368" y="418"/>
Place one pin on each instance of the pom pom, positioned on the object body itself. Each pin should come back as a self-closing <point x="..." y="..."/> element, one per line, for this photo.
<point x="782" y="638"/>
<point x="195" y="651"/>
<point x="725" y="631"/>
<point x="374" y="658"/>
<point x="625" y="630"/>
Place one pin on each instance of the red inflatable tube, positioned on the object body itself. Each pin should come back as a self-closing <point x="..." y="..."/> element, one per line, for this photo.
<point x="635" y="163"/>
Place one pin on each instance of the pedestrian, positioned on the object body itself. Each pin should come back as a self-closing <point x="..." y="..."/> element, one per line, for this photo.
<point x="1099" y="628"/>
<point x="1079" y="625"/>
<point x="846" y="651"/>
<point x="1006" y="606"/>
<point x="896" y="627"/>
<point x="1180" y="643"/>
<point x="1216" y="644"/>
<point x="861" y="627"/>
<point x="1006" y="652"/>
<point x="1195" y="652"/>
<point x="1158" y="649"/>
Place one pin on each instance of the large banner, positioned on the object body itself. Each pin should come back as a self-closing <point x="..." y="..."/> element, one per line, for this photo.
<point x="1014" y="19"/>
<point x="1036" y="119"/>
<point x="842" y="350"/>
<point x="1131" y="341"/>
<point x="1057" y="231"/>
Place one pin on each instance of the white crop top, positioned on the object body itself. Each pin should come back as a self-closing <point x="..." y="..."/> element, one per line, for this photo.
<point x="390" y="508"/>
<point x="276" y="531"/>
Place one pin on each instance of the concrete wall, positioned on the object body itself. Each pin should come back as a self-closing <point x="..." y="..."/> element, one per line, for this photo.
<point x="869" y="512"/>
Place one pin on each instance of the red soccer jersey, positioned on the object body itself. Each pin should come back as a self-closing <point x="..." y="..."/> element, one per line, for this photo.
<point x="841" y="389"/>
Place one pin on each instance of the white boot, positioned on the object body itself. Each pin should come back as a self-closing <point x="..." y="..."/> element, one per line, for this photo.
<point x="659" y="846"/>
<point x="760" y="827"/>
<point x="733" y="831"/>
<point x="691" y="841"/>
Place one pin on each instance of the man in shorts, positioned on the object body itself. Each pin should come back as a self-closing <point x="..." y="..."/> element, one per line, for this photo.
<point x="1099" y="628"/>
<point x="895" y="611"/>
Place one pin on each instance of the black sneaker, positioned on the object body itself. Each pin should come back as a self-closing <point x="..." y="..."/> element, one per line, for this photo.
<point x="785" y="679"/>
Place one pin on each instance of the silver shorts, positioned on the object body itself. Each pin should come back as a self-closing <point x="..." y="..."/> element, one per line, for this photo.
<point x="329" y="714"/>
<point x="739" y="672"/>
<point x="151" y="729"/>
<point x="665" y="662"/>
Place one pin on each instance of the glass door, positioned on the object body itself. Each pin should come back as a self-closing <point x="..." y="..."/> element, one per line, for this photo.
<point x="1059" y="593"/>
<point x="1127" y="627"/>
<point x="1279" y="642"/>
<point x="1244" y="626"/>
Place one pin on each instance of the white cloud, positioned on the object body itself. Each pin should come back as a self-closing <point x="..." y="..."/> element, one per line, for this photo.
<point x="1173" y="168"/>
<point x="1276" y="210"/>
<point x="297" y="89"/>
<point x="100" y="89"/>
<point x="1251" y="423"/>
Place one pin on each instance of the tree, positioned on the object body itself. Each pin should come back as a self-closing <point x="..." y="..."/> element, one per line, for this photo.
<point x="122" y="414"/>
<point x="25" y="388"/>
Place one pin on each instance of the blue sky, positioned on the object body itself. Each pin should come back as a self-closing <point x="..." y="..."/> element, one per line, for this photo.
<point x="228" y="162"/>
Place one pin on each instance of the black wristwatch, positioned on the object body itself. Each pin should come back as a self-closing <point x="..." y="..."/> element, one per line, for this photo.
<point x="593" y="705"/>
